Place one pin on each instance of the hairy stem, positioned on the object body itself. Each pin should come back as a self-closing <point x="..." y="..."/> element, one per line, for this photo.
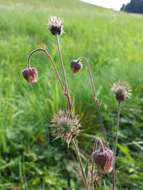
<point x="66" y="93"/>
<point x="51" y="60"/>
<point x="80" y="163"/>
<point x="116" y="143"/>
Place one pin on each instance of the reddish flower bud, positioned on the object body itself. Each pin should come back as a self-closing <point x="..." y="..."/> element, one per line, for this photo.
<point x="104" y="160"/>
<point x="76" y="65"/>
<point x="30" y="74"/>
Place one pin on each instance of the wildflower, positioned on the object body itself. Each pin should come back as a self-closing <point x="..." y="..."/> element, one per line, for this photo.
<point x="55" y="25"/>
<point x="66" y="126"/>
<point x="30" y="74"/>
<point x="104" y="160"/>
<point x="121" y="91"/>
<point x="76" y="65"/>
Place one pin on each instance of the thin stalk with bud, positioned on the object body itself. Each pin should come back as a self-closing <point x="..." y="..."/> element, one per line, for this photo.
<point x="121" y="92"/>
<point x="55" y="25"/>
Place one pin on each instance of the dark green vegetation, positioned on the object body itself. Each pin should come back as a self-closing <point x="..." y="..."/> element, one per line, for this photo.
<point x="134" y="6"/>
<point x="113" y="42"/>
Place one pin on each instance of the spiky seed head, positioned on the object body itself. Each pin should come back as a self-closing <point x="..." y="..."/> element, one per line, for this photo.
<point x="103" y="159"/>
<point x="121" y="90"/>
<point x="67" y="127"/>
<point x="55" y="25"/>
<point x="76" y="65"/>
<point x="30" y="74"/>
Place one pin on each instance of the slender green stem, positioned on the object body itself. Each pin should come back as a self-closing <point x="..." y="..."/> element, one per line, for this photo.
<point x="116" y="143"/>
<point x="51" y="60"/>
<point x="67" y="93"/>
<point x="93" y="87"/>
<point x="80" y="163"/>
<point x="96" y="186"/>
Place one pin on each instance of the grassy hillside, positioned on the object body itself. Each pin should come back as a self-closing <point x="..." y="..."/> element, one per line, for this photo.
<point x="113" y="43"/>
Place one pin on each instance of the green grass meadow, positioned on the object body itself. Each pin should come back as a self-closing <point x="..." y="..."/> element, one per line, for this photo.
<point x="113" y="42"/>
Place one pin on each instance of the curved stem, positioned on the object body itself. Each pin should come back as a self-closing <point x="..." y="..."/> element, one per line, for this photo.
<point x="80" y="163"/>
<point x="67" y="93"/>
<point x="116" y="143"/>
<point x="51" y="60"/>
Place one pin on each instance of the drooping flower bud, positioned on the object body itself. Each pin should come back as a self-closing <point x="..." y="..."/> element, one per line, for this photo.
<point x="104" y="160"/>
<point x="55" y="25"/>
<point x="30" y="74"/>
<point x="76" y="65"/>
<point x="121" y="91"/>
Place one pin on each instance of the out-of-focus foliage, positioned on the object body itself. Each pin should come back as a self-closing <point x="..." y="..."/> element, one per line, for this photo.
<point x="30" y="158"/>
<point x="134" y="6"/>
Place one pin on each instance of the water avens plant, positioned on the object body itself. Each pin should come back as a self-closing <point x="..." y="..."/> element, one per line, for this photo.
<point x="66" y="124"/>
<point x="121" y="91"/>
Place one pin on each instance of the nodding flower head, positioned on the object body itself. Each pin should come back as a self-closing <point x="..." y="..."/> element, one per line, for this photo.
<point x="103" y="158"/>
<point x="30" y="74"/>
<point x="56" y="25"/>
<point x="67" y="127"/>
<point x="76" y="65"/>
<point x="121" y="91"/>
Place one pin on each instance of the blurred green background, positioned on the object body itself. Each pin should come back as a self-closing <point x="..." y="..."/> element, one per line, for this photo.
<point x="29" y="157"/>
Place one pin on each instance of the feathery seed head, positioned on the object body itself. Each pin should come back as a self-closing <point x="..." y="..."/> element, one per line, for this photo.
<point x="55" y="25"/>
<point x="121" y="91"/>
<point x="67" y="127"/>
